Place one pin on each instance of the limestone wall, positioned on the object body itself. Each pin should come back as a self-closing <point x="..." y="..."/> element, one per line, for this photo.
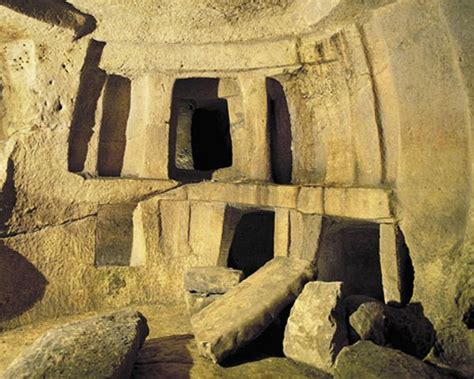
<point x="377" y="96"/>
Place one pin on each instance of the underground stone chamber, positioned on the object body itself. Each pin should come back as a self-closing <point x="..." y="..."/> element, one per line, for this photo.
<point x="146" y="139"/>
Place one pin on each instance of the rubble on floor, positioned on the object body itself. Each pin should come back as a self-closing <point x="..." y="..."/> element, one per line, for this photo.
<point x="316" y="330"/>
<point x="403" y="328"/>
<point x="321" y="322"/>
<point x="246" y="310"/>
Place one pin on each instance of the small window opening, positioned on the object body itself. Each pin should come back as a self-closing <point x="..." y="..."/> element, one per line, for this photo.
<point x="349" y="252"/>
<point x="200" y="140"/>
<point x="252" y="245"/>
<point x="279" y="129"/>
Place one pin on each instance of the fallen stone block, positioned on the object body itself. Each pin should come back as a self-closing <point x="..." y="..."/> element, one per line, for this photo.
<point x="351" y="304"/>
<point x="215" y="280"/>
<point x="316" y="330"/>
<point x="403" y="328"/>
<point x="101" y="347"/>
<point x="369" y="361"/>
<point x="195" y="302"/>
<point x="244" y="312"/>
<point x="369" y="322"/>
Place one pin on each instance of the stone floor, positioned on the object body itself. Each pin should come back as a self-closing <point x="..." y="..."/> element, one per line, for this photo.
<point x="170" y="351"/>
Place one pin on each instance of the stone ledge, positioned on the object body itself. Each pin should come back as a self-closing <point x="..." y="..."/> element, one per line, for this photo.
<point x="239" y="56"/>
<point x="345" y="202"/>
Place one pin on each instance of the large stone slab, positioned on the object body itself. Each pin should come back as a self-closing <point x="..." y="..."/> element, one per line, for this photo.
<point x="101" y="347"/>
<point x="316" y="330"/>
<point x="369" y="361"/>
<point x="244" y="312"/>
<point x="215" y="280"/>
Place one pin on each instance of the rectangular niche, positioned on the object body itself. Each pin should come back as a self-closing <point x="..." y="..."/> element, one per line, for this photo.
<point x="112" y="136"/>
<point x="114" y="235"/>
<point x="200" y="140"/>
<point x="248" y="238"/>
<point x="349" y="252"/>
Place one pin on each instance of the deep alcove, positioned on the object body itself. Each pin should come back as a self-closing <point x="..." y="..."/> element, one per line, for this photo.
<point x="200" y="140"/>
<point x="349" y="252"/>
<point x="252" y="245"/>
<point x="210" y="136"/>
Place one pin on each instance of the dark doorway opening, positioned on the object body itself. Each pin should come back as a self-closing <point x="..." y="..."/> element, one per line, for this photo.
<point x="210" y="136"/>
<point x="349" y="252"/>
<point x="279" y="129"/>
<point x="200" y="140"/>
<point x="252" y="245"/>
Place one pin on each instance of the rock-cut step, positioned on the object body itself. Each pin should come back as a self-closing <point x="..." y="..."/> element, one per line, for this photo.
<point x="246" y="310"/>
